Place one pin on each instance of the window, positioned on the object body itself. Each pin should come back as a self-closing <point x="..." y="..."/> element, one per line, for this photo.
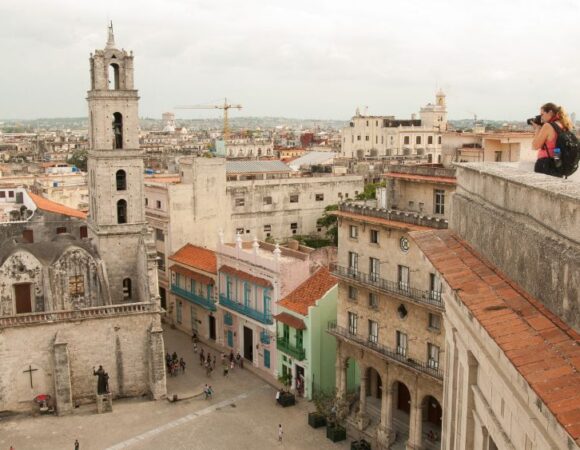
<point x="406" y="140"/>
<point x="358" y="138"/>
<point x="430" y="140"/>
<point x="352" y="263"/>
<point x="122" y="211"/>
<point x="28" y="236"/>
<point x="498" y="156"/>
<point x="127" y="291"/>
<point x="294" y="198"/>
<point x="352" y="293"/>
<point x="60" y="230"/>
<point x="352" y="323"/>
<point x="239" y="231"/>
<point x="418" y="140"/>
<point x="267" y="227"/>
<point x="161" y="261"/>
<point x="374" y="271"/>
<point x="434" y="287"/>
<point x="178" y="311"/>
<point x="353" y="232"/>
<point x="373" y="332"/>
<point x="403" y="277"/>
<point x="319" y="197"/>
<point x="117" y="130"/>
<point x="439" y="140"/>
<point x="83" y="233"/>
<point x="121" y="179"/>
<point x="159" y="235"/>
<point x="294" y="226"/>
<point x="367" y="137"/>
<point x="439" y="201"/>
<point x="158" y="204"/>
<point x="401" y="343"/>
<point x="240" y="202"/>
<point x="2" y="194"/>
<point x="432" y="356"/>
<point x="374" y="236"/>
<point x="146" y="201"/>
<point x="267" y="200"/>
<point x="76" y="285"/>
<point x="373" y="300"/>
<point x="10" y="194"/>
<point x="434" y="321"/>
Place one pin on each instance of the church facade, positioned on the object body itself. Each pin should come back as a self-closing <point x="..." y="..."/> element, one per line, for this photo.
<point x="86" y="293"/>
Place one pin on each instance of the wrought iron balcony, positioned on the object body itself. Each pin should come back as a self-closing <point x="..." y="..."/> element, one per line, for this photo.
<point x="428" y="298"/>
<point x="391" y="354"/>
<point x="194" y="298"/>
<point x="228" y="319"/>
<point x="285" y="346"/>
<point x="260" y="316"/>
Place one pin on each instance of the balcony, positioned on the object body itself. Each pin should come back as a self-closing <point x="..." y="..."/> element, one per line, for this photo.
<point x="260" y="316"/>
<point x="194" y="298"/>
<point x="392" y="355"/>
<point x="285" y="346"/>
<point x="426" y="298"/>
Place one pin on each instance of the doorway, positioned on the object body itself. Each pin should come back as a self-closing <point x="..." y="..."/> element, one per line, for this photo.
<point x="300" y="380"/>
<point x="248" y="344"/>
<point x="23" y="300"/>
<point x="212" y="333"/>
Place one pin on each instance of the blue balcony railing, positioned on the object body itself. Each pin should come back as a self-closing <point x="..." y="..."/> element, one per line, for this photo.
<point x="194" y="298"/>
<point x="228" y="319"/>
<point x="260" y="316"/>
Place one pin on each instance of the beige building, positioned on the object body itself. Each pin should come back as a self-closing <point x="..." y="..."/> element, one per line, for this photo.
<point x="387" y="137"/>
<point x="511" y="293"/>
<point x="390" y="327"/>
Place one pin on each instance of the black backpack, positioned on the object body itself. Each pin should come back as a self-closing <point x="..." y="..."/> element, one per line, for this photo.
<point x="569" y="147"/>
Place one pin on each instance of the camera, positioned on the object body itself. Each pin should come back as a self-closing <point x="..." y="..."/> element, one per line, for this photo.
<point x="537" y="120"/>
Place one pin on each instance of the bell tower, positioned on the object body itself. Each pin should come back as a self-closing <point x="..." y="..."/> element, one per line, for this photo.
<point x="115" y="165"/>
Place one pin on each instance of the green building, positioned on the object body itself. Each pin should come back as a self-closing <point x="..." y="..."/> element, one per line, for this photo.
<point x="306" y="352"/>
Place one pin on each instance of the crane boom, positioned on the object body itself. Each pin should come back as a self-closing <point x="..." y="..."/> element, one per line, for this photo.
<point x="226" y="106"/>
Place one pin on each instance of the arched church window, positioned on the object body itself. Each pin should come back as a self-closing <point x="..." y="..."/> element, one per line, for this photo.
<point x="122" y="211"/>
<point x="113" y="76"/>
<point x="127" y="292"/>
<point x="121" y="178"/>
<point x="117" y="130"/>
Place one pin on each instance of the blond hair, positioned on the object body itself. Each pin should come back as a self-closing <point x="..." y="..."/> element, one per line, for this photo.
<point x="560" y="114"/>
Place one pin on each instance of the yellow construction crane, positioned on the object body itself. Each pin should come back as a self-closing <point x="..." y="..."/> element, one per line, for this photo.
<point x="226" y="106"/>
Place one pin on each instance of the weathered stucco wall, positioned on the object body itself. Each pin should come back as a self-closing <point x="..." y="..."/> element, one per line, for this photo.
<point x="528" y="225"/>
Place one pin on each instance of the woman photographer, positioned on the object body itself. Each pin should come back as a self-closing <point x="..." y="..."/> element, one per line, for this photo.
<point x="545" y="137"/>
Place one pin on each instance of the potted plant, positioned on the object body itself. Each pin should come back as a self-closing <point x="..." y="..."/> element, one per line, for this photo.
<point x="335" y="432"/>
<point x="286" y="398"/>
<point x="361" y="444"/>
<point x="323" y="402"/>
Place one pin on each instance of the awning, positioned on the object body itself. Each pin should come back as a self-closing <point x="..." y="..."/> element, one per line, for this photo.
<point x="245" y="276"/>
<point x="191" y="274"/>
<point x="291" y="320"/>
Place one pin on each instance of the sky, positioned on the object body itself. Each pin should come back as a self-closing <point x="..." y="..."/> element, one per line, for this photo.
<point x="317" y="59"/>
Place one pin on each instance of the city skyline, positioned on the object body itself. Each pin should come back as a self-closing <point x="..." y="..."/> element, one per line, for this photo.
<point x="291" y="61"/>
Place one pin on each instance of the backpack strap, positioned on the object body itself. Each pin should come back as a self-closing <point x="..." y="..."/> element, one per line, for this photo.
<point x="556" y="128"/>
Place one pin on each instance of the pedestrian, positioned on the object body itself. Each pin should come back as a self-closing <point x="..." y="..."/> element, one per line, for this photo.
<point x="231" y="355"/>
<point x="174" y="356"/>
<point x="194" y="337"/>
<point x="77" y="445"/>
<point x="195" y="347"/>
<point x="182" y="365"/>
<point x="208" y="359"/>
<point x="206" y="391"/>
<point x="239" y="361"/>
<point x="201" y="357"/>
<point x="277" y="396"/>
<point x="232" y="365"/>
<point x="213" y="365"/>
<point x="225" y="365"/>
<point x="280" y="432"/>
<point x="207" y="369"/>
<point x="210" y="391"/>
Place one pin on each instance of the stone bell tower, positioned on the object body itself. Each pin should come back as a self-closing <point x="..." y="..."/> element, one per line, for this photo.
<point x="115" y="165"/>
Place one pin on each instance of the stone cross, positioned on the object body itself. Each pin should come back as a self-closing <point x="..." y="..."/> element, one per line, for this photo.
<point x="30" y="370"/>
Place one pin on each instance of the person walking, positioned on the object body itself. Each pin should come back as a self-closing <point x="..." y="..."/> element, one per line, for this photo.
<point x="201" y="357"/>
<point x="214" y="362"/>
<point x="182" y="365"/>
<point x="280" y="433"/>
<point x="77" y="445"/>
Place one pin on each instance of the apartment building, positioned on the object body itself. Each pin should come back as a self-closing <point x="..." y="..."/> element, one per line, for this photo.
<point x="389" y="326"/>
<point x="387" y="137"/>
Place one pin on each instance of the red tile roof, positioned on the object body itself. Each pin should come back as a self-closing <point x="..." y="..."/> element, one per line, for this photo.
<point x="290" y="320"/>
<point x="53" y="207"/>
<point x="196" y="257"/>
<point x="542" y="348"/>
<point x="380" y="221"/>
<point x="309" y="292"/>
<point x="191" y="274"/>
<point x="422" y="178"/>
<point x="245" y="276"/>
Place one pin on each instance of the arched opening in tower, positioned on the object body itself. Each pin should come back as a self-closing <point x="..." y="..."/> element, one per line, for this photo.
<point x="121" y="179"/>
<point x="122" y="211"/>
<point x="117" y="130"/>
<point x="113" y="76"/>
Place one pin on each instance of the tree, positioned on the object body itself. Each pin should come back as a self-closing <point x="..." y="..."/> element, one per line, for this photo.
<point x="79" y="158"/>
<point x="370" y="191"/>
<point x="329" y="221"/>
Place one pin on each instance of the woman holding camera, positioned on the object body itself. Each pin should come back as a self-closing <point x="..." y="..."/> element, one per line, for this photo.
<point x="545" y="136"/>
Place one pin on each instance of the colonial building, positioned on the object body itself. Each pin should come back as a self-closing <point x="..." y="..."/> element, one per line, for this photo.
<point x="389" y="327"/>
<point x="306" y="354"/>
<point x="387" y="137"/>
<point x="74" y="297"/>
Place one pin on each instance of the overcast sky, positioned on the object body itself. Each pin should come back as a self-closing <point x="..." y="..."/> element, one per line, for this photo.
<point x="500" y="59"/>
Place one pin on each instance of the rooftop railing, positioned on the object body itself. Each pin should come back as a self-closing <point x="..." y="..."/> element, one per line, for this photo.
<point x="391" y="354"/>
<point x="428" y="298"/>
<point x="395" y="215"/>
<point x="260" y="316"/>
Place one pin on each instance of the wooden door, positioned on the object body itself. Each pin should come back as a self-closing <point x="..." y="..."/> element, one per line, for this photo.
<point x="23" y="300"/>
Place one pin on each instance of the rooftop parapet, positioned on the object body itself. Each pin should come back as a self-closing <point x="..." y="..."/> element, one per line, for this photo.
<point x="526" y="224"/>
<point x="425" y="170"/>
<point x="394" y="215"/>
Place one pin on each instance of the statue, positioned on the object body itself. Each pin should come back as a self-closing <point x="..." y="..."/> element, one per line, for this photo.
<point x="102" y="380"/>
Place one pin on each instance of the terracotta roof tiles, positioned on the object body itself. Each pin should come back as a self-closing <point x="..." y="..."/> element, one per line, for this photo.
<point x="311" y="290"/>
<point x="245" y="276"/>
<point x="196" y="257"/>
<point x="542" y="348"/>
<point x="53" y="207"/>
